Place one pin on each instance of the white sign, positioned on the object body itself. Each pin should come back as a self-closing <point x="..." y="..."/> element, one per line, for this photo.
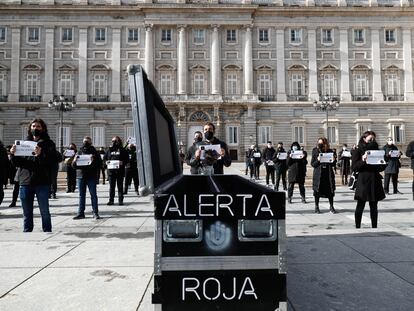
<point x="113" y="164"/>
<point x="102" y="156"/>
<point x="69" y="153"/>
<point x="83" y="159"/>
<point x="203" y="148"/>
<point x="375" y="157"/>
<point x="131" y="140"/>
<point x="25" y="148"/>
<point x="326" y="157"/>
<point x="395" y="153"/>
<point x="282" y="155"/>
<point x="256" y="155"/>
<point x="346" y="154"/>
<point x="270" y="163"/>
<point x="298" y="154"/>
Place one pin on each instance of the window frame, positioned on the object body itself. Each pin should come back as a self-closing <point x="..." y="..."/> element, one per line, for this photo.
<point x="323" y="42"/>
<point x="3" y="84"/>
<point x="4" y="30"/>
<point x="95" y="138"/>
<point x="166" y="41"/>
<point x="37" y="80"/>
<point x="132" y="42"/>
<point x="67" y="135"/>
<point x="296" y="134"/>
<point x="231" y="40"/>
<point x="234" y="83"/>
<point x="299" y="36"/>
<point x="170" y="81"/>
<point x="264" y="134"/>
<point x="260" y="82"/>
<point x="62" y="33"/>
<point x="394" y="35"/>
<point x="363" y="34"/>
<point x="263" y="42"/>
<point x="71" y="83"/>
<point x="28" y="39"/>
<point x="100" y="77"/>
<point x="100" y="42"/>
<point x="195" y="37"/>
<point x="232" y="132"/>
<point x="203" y="81"/>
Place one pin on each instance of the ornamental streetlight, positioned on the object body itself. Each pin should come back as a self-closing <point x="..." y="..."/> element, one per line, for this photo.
<point x="61" y="104"/>
<point x="327" y="104"/>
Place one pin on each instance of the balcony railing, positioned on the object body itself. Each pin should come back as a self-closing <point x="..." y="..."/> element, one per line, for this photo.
<point x="267" y="98"/>
<point x="358" y="2"/>
<point x="396" y="98"/>
<point x="69" y="98"/>
<point x="389" y="3"/>
<point x="330" y="97"/>
<point x="96" y="98"/>
<point x="3" y="98"/>
<point x="326" y="3"/>
<point x="297" y="98"/>
<point x="125" y="98"/>
<point x="361" y="98"/>
<point x="30" y="98"/>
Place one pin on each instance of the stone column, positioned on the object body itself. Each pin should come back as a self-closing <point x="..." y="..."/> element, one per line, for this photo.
<point x="149" y="52"/>
<point x="182" y="61"/>
<point x="408" y="67"/>
<point x="343" y="50"/>
<point x="313" y="67"/>
<point x="116" y="65"/>
<point x="83" y="65"/>
<point x="15" y="66"/>
<point x="215" y="61"/>
<point x="248" y="62"/>
<point x="376" y="66"/>
<point x="280" y="65"/>
<point x="49" y="72"/>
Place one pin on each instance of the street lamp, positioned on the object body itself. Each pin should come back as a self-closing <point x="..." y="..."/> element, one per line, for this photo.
<point x="61" y="104"/>
<point x="327" y="104"/>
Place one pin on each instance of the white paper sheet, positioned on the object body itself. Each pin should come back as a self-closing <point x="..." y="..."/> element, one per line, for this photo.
<point x="83" y="160"/>
<point x="346" y="154"/>
<point x="326" y="157"/>
<point x="25" y="148"/>
<point x="69" y="153"/>
<point x="256" y="155"/>
<point x="113" y="164"/>
<point x="298" y="154"/>
<point x="282" y="156"/>
<point x="375" y="157"/>
<point x="395" y="154"/>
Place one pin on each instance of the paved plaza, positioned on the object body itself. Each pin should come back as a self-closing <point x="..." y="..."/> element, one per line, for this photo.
<point x="107" y="264"/>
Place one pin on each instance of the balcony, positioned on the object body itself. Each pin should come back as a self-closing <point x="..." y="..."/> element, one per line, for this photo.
<point x="361" y="98"/>
<point x="358" y="2"/>
<point x="30" y="98"/>
<point x="326" y="3"/>
<point x="3" y="98"/>
<point x="267" y="98"/>
<point x="330" y="97"/>
<point x="125" y="98"/>
<point x="99" y="99"/>
<point x="264" y="2"/>
<point x="69" y="98"/>
<point x="297" y="98"/>
<point x="393" y="98"/>
<point x="389" y="3"/>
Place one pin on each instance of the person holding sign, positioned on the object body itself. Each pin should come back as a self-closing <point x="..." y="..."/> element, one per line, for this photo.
<point x="392" y="157"/>
<point x="268" y="158"/>
<point x="280" y="166"/>
<point x="344" y="158"/>
<point x="410" y="153"/>
<point x="190" y="157"/>
<point x="4" y="169"/>
<point x="33" y="174"/>
<point x="256" y="158"/>
<point x="296" y="161"/>
<point x="323" y="181"/>
<point x="69" y="156"/>
<point x="369" y="186"/>
<point x="131" y="169"/>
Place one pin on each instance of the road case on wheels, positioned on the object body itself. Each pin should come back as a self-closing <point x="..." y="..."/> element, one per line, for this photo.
<point x="220" y="239"/>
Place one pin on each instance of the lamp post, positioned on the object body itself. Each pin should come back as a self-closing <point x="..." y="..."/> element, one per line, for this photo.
<point x="327" y="104"/>
<point x="61" y="104"/>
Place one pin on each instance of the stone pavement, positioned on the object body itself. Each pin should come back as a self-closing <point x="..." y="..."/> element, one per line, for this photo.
<point x="107" y="264"/>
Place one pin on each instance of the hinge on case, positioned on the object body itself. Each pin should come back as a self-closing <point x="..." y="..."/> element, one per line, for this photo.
<point x="157" y="264"/>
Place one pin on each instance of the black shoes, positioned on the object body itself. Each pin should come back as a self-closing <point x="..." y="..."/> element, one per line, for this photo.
<point x="121" y="203"/>
<point x="290" y="200"/>
<point x="332" y="210"/>
<point x="96" y="216"/>
<point x="79" y="216"/>
<point x="304" y="200"/>
<point x="110" y="203"/>
<point x="12" y="204"/>
<point x="317" y="211"/>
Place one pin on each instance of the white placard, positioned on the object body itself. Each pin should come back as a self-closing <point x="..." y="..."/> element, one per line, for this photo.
<point x="326" y="157"/>
<point x="203" y="148"/>
<point x="83" y="159"/>
<point x="69" y="153"/>
<point x="25" y="148"/>
<point x="395" y="154"/>
<point x="256" y="155"/>
<point x="346" y="154"/>
<point x="282" y="155"/>
<point x="270" y="163"/>
<point x="298" y="154"/>
<point x="113" y="164"/>
<point x="102" y="156"/>
<point x="131" y="140"/>
<point x="375" y="157"/>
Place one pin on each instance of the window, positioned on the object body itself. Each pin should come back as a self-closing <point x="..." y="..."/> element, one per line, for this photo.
<point x="359" y="36"/>
<point x="264" y="134"/>
<point x="129" y="132"/>
<point x="362" y="128"/>
<point x="296" y="36"/>
<point x="296" y="85"/>
<point x="32" y="84"/>
<point x="263" y="35"/>
<point x="199" y="83"/>
<point x="332" y="134"/>
<point x="361" y="84"/>
<point x="390" y="36"/>
<point x="327" y="36"/>
<point x="166" y="35"/>
<point x="298" y="134"/>
<point x="133" y="35"/>
<point x="2" y="34"/>
<point x="232" y="132"/>
<point x="1" y="132"/>
<point x="33" y="35"/>
<point x="392" y="84"/>
<point x="98" y="136"/>
<point x="328" y="84"/>
<point x="398" y="133"/>
<point x="66" y="136"/>
<point x="231" y="35"/>
<point x="199" y="35"/>
<point x="67" y="35"/>
<point x="264" y="84"/>
<point x="166" y="84"/>
<point x="3" y="82"/>
<point x="65" y="86"/>
<point x="100" y="35"/>
<point x="99" y="84"/>
<point x="231" y="84"/>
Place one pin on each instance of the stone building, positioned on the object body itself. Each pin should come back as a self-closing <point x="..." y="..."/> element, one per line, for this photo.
<point x="253" y="67"/>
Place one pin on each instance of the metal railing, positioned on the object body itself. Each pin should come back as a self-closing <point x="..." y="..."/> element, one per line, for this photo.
<point x="361" y="98"/>
<point x="69" y="98"/>
<point x="125" y="98"/>
<point x="396" y="98"/>
<point x="332" y="97"/>
<point x="267" y="98"/>
<point x="30" y="98"/>
<point x="3" y="98"/>
<point x="297" y="98"/>
<point x="96" y="98"/>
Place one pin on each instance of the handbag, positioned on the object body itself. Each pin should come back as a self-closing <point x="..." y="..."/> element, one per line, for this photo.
<point x="352" y="183"/>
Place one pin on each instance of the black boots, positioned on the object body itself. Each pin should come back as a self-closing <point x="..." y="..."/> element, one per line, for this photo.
<point x="317" y="211"/>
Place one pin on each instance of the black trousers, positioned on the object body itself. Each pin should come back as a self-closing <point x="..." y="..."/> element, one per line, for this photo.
<point x="373" y="211"/>
<point x="256" y="169"/>
<point x="16" y="189"/>
<point x="131" y="174"/>
<point x="301" y="189"/>
<point x="53" y="180"/>
<point x="103" y="169"/>
<point x="281" y="173"/>
<point x="1" y="191"/>
<point x="344" y="179"/>
<point x="71" y="178"/>
<point x="387" y="178"/>
<point x="270" y="172"/>
<point x="317" y="198"/>
<point x="116" y="178"/>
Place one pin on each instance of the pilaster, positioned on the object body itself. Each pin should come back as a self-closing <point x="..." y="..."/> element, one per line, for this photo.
<point x="49" y="64"/>
<point x="313" y="69"/>
<point x="149" y="52"/>
<point x="248" y="62"/>
<point x="215" y="70"/>
<point x="83" y="65"/>
<point x="408" y="67"/>
<point x="280" y="63"/>
<point x="15" y="66"/>
<point x="182" y="61"/>
<point x="377" y="94"/>
<point x="343" y="51"/>
<point x="116" y="65"/>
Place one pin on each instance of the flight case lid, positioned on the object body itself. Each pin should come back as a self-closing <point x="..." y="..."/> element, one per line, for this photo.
<point x="157" y="153"/>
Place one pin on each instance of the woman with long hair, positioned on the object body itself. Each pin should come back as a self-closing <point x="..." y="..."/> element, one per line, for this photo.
<point x="296" y="170"/>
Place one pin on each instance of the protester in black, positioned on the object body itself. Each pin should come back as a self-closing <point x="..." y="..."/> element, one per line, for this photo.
<point x="12" y="177"/>
<point x="69" y="156"/>
<point x="54" y="170"/>
<point x="131" y="169"/>
<point x="345" y="164"/>
<point x="296" y="171"/>
<point x="103" y="166"/>
<point x="393" y="167"/>
<point x="323" y="181"/>
<point x="268" y="158"/>
<point x="249" y="163"/>
<point x="116" y="158"/>
<point x="410" y="153"/>
<point x="256" y="158"/>
<point x="280" y="166"/>
<point x="190" y="157"/>
<point x="369" y="186"/>
<point x="4" y="169"/>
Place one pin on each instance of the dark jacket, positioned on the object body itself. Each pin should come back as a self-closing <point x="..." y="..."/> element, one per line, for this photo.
<point x="223" y="161"/>
<point x="248" y="157"/>
<point x="132" y="163"/>
<point x="257" y="161"/>
<point x="297" y="168"/>
<point x="345" y="163"/>
<point x="268" y="155"/>
<point x="4" y="165"/>
<point x="393" y="164"/>
<point x="191" y="160"/>
<point x="280" y="165"/>
<point x="410" y="153"/>
<point x="89" y="171"/>
<point x="117" y="153"/>
<point x="369" y="185"/>
<point x="323" y="180"/>
<point x="35" y="171"/>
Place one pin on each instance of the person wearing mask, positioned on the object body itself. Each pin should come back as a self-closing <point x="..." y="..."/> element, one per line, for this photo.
<point x="33" y="175"/>
<point x="323" y="181"/>
<point x="116" y="158"/>
<point x="69" y="156"/>
<point x="249" y="163"/>
<point x="131" y="169"/>
<point x="268" y="158"/>
<point x="393" y="166"/>
<point x="256" y="158"/>
<point x="190" y="157"/>
<point x="213" y="163"/>
<point x="12" y="177"/>
<point x="4" y="169"/>
<point x="103" y="166"/>
<point x="86" y="177"/>
<point x="410" y="153"/>
<point x="280" y="166"/>
<point x="296" y="171"/>
<point x="345" y="164"/>
<point x="369" y="186"/>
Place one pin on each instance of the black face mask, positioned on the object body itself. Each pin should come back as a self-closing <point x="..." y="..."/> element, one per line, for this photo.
<point x="320" y="146"/>
<point x="372" y="145"/>
<point x="36" y="132"/>
<point x="86" y="144"/>
<point x="208" y="135"/>
<point x="115" y="144"/>
<point x="132" y="148"/>
<point x="198" y="139"/>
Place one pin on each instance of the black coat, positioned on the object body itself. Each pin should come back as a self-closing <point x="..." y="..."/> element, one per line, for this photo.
<point x="393" y="164"/>
<point x="410" y="153"/>
<point x="345" y="163"/>
<point x="89" y="171"/>
<point x="297" y="168"/>
<point x="223" y="161"/>
<point x="191" y="160"/>
<point x="280" y="165"/>
<point x="323" y="181"/>
<point x="4" y="165"/>
<point x="117" y="153"/>
<point x="369" y="185"/>
<point x="257" y="161"/>
<point x="268" y="154"/>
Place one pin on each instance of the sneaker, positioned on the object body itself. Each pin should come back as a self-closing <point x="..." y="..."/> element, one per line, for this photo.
<point x="79" y="216"/>
<point x="398" y="192"/>
<point x="96" y="216"/>
<point x="304" y="200"/>
<point x="120" y="203"/>
<point x="54" y="196"/>
<point x="110" y="203"/>
<point x="12" y="204"/>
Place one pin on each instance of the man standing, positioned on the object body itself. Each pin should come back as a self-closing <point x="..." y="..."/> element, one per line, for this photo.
<point x="190" y="157"/>
<point x="280" y="166"/>
<point x="392" y="157"/>
<point x="4" y="168"/>
<point x="86" y="176"/>
<point x="410" y="153"/>
<point x="131" y="169"/>
<point x="268" y="154"/>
